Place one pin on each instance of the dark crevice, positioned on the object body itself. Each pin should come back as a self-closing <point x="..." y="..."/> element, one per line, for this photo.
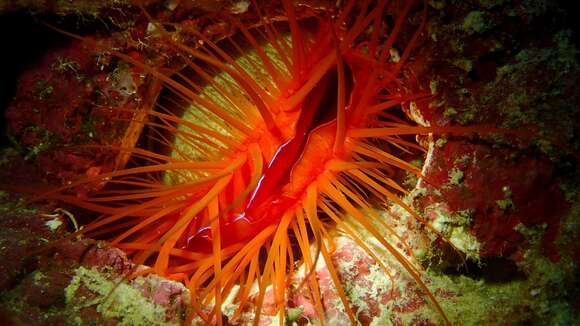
<point x="490" y="269"/>
<point x="25" y="41"/>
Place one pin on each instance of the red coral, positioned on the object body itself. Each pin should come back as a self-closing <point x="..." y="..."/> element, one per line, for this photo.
<point x="503" y="191"/>
<point x="75" y="95"/>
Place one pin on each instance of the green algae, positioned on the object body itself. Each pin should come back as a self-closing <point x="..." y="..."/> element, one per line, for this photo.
<point x="433" y="86"/>
<point x="64" y="64"/>
<point x="440" y="142"/>
<point x="450" y="112"/>
<point x="464" y="64"/>
<point x="15" y="206"/>
<point x="506" y="202"/>
<point x="544" y="105"/>
<point x="411" y="179"/>
<point x="115" y="300"/>
<point x="43" y="89"/>
<point x="479" y="302"/>
<point x="293" y="314"/>
<point x="550" y="284"/>
<point x="476" y="22"/>
<point x="519" y="99"/>
<point x="534" y="300"/>
<point x="437" y="4"/>
<point x="455" y="177"/>
<point x="46" y="143"/>
<point x="38" y="278"/>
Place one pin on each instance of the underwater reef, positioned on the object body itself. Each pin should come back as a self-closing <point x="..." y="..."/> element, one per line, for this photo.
<point x="488" y="217"/>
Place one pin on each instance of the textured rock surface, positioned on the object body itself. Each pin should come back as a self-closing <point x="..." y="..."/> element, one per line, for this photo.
<point x="509" y="204"/>
<point x="76" y="282"/>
